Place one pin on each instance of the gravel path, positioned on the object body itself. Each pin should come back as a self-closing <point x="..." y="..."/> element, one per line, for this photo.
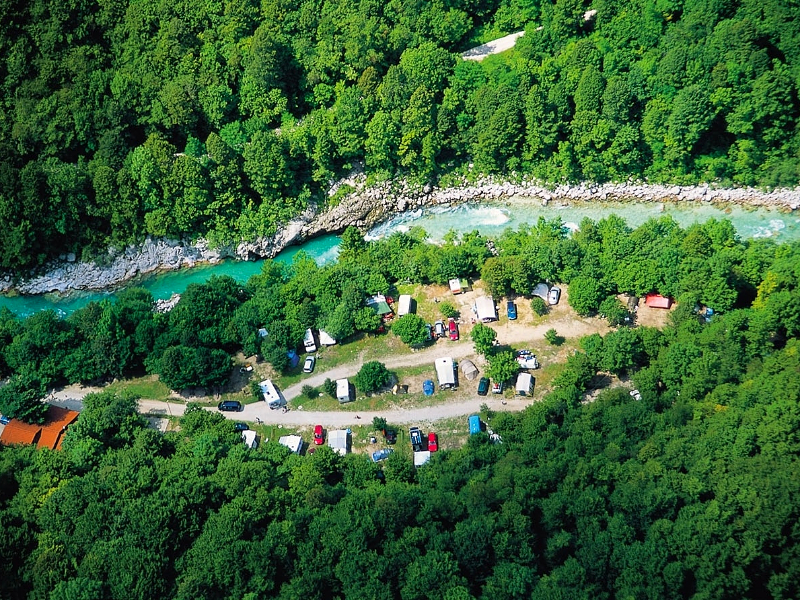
<point x="562" y="319"/>
<point x="494" y="47"/>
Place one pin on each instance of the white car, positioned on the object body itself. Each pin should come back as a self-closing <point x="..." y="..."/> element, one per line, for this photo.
<point x="554" y="295"/>
<point x="308" y="365"/>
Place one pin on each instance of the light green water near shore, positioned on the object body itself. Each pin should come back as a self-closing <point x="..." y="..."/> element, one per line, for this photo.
<point x="490" y="218"/>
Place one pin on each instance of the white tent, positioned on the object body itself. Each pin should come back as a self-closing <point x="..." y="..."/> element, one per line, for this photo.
<point x="292" y="442"/>
<point x="339" y="441"/>
<point x="541" y="290"/>
<point x="325" y="339"/>
<point x="249" y="438"/>
<point x="420" y="458"/>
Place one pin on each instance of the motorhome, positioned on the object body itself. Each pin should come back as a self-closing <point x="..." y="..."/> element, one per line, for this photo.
<point x="343" y="391"/>
<point x="272" y="395"/>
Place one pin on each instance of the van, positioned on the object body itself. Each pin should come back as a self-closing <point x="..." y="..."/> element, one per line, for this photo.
<point x="438" y="327"/>
<point x="474" y="424"/>
<point x="483" y="386"/>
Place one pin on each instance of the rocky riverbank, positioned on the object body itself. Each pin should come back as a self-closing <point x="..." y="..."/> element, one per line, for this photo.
<point x="365" y="207"/>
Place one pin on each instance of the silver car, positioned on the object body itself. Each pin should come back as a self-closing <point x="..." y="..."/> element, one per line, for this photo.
<point x="554" y="295"/>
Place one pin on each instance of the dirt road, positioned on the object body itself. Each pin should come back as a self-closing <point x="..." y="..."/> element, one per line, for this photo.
<point x="562" y="319"/>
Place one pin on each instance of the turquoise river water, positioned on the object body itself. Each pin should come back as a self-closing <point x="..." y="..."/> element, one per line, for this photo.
<point x="488" y="218"/>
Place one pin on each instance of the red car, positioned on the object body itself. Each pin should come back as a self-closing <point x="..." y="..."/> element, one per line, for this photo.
<point x="319" y="437"/>
<point x="433" y="442"/>
<point x="453" y="329"/>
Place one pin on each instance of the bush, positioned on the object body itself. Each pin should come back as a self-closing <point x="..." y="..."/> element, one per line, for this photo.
<point x="310" y="392"/>
<point x="448" y="310"/>
<point x="329" y="387"/>
<point x="539" y="306"/>
<point x="372" y="377"/>
<point x="552" y="337"/>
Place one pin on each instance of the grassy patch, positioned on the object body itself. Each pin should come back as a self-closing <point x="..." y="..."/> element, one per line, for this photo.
<point x="148" y="388"/>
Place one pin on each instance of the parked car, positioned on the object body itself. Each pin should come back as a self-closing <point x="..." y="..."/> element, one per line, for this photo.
<point x="308" y="365"/>
<point x="4" y="419"/>
<point x="428" y="387"/>
<point x="429" y="330"/>
<point x="497" y="388"/>
<point x="453" y="326"/>
<point x="319" y="435"/>
<point x="381" y="454"/>
<point x="483" y="386"/>
<point x="554" y="295"/>
<point x="390" y="435"/>
<point x="438" y="327"/>
<point x="511" y="310"/>
<point x="433" y="442"/>
<point x="527" y="361"/>
<point x="416" y="439"/>
<point x="240" y="427"/>
<point x="230" y="406"/>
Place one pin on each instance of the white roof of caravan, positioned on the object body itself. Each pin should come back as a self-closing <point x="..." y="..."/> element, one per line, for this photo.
<point x="342" y="387"/>
<point x="420" y="458"/>
<point x="309" y="336"/>
<point x="325" y="339"/>
<point x="269" y="391"/>
<point x="455" y="284"/>
<point x="484" y="305"/>
<point x="404" y="304"/>
<point x="338" y="441"/>
<point x="292" y="442"/>
<point x="444" y="370"/>
<point x="524" y="381"/>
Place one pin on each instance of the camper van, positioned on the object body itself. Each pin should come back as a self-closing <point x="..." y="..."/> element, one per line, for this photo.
<point x="308" y="341"/>
<point x="272" y="395"/>
<point x="446" y="373"/>
<point x="343" y="391"/>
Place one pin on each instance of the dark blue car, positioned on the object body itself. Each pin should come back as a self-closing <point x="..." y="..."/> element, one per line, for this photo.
<point x="511" y="309"/>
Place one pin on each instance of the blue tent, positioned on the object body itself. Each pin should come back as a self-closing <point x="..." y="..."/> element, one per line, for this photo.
<point x="294" y="360"/>
<point x="428" y="387"/>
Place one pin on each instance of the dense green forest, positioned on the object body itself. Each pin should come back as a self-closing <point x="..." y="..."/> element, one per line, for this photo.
<point x="690" y="492"/>
<point x="705" y="264"/>
<point x="124" y="118"/>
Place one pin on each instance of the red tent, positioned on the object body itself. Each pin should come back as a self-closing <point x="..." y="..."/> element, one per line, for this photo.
<point x="657" y="301"/>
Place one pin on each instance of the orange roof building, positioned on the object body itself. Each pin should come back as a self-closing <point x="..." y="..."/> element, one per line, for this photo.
<point x="47" y="435"/>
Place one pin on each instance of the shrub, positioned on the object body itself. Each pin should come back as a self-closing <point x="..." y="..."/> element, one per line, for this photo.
<point x="539" y="306"/>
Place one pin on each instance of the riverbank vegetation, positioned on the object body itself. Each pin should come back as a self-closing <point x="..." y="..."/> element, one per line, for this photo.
<point x="688" y="492"/>
<point x="192" y="345"/>
<point x="224" y="119"/>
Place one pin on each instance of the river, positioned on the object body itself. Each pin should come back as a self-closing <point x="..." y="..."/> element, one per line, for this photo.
<point x="488" y="218"/>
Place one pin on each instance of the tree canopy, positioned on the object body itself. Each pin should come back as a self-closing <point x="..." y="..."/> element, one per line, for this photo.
<point x="226" y="119"/>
